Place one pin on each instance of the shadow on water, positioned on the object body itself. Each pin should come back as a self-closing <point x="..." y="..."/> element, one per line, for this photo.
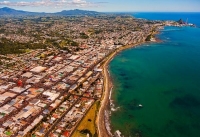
<point x="132" y="105"/>
<point x="186" y="101"/>
<point x="182" y="129"/>
<point x="196" y="125"/>
<point x="127" y="78"/>
<point x="173" y="91"/>
<point x="127" y="87"/>
<point x="122" y="74"/>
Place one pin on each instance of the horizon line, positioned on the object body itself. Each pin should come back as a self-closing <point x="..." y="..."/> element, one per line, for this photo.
<point x="109" y="11"/>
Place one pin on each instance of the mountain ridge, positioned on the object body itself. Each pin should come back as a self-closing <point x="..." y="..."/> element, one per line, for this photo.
<point x="5" y="11"/>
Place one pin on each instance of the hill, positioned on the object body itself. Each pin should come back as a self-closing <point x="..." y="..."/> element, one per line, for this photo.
<point x="77" y="12"/>
<point x="12" y="12"/>
<point x="9" y="11"/>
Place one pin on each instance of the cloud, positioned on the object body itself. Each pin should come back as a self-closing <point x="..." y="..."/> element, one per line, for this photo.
<point x="49" y="3"/>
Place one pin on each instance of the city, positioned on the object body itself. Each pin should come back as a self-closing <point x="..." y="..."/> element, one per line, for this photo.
<point x="47" y="90"/>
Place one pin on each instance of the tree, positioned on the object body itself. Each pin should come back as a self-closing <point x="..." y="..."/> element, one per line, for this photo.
<point x="148" y="38"/>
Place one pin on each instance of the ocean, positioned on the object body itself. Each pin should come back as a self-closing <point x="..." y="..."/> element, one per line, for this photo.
<point x="164" y="78"/>
<point x="189" y="17"/>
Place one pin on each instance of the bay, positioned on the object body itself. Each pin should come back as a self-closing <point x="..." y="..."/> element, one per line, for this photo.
<point x="163" y="77"/>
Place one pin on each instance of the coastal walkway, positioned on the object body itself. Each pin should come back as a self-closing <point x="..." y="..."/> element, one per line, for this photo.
<point x="103" y="126"/>
<point x="101" y="120"/>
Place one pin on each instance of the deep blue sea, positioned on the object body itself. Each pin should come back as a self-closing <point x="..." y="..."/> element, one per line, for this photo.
<point x="163" y="77"/>
<point x="191" y="17"/>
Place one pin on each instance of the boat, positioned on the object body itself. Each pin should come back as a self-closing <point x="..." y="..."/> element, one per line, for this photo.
<point x="140" y="105"/>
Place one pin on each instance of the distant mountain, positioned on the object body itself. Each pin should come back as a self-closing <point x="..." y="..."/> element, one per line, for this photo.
<point x="9" y="11"/>
<point x="12" y="12"/>
<point x="77" y="12"/>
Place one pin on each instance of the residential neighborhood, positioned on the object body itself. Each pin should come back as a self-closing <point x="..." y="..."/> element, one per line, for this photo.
<point x="47" y="91"/>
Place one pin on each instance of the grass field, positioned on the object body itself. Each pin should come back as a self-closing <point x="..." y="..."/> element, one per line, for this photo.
<point x="88" y="122"/>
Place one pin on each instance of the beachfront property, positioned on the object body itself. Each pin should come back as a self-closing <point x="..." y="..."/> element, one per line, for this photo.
<point x="49" y="91"/>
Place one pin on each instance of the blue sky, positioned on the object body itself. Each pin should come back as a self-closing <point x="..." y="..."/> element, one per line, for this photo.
<point x="104" y="5"/>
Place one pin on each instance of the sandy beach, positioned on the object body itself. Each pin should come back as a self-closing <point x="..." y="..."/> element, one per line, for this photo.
<point x="105" y="100"/>
<point x="102" y="119"/>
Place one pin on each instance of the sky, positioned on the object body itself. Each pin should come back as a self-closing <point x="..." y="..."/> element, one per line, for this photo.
<point x="104" y="5"/>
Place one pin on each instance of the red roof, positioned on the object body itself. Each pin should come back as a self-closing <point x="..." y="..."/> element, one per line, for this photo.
<point x="83" y="99"/>
<point x="66" y="133"/>
<point x="19" y="83"/>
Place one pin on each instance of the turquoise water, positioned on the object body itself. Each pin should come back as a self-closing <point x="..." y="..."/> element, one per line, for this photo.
<point x="165" y="79"/>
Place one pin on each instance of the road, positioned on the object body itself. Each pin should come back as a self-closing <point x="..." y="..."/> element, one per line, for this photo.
<point x="104" y="103"/>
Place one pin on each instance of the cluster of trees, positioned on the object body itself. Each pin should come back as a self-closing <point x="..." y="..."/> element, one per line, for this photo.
<point x="148" y="37"/>
<point x="86" y="131"/>
<point x="84" y="36"/>
<point x="9" y="47"/>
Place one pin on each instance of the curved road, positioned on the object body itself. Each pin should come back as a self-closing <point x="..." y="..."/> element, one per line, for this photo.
<point x="107" y="87"/>
<point x="101" y="116"/>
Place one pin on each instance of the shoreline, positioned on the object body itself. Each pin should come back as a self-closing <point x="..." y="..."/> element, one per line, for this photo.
<point x="103" y="115"/>
<point x="103" y="122"/>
